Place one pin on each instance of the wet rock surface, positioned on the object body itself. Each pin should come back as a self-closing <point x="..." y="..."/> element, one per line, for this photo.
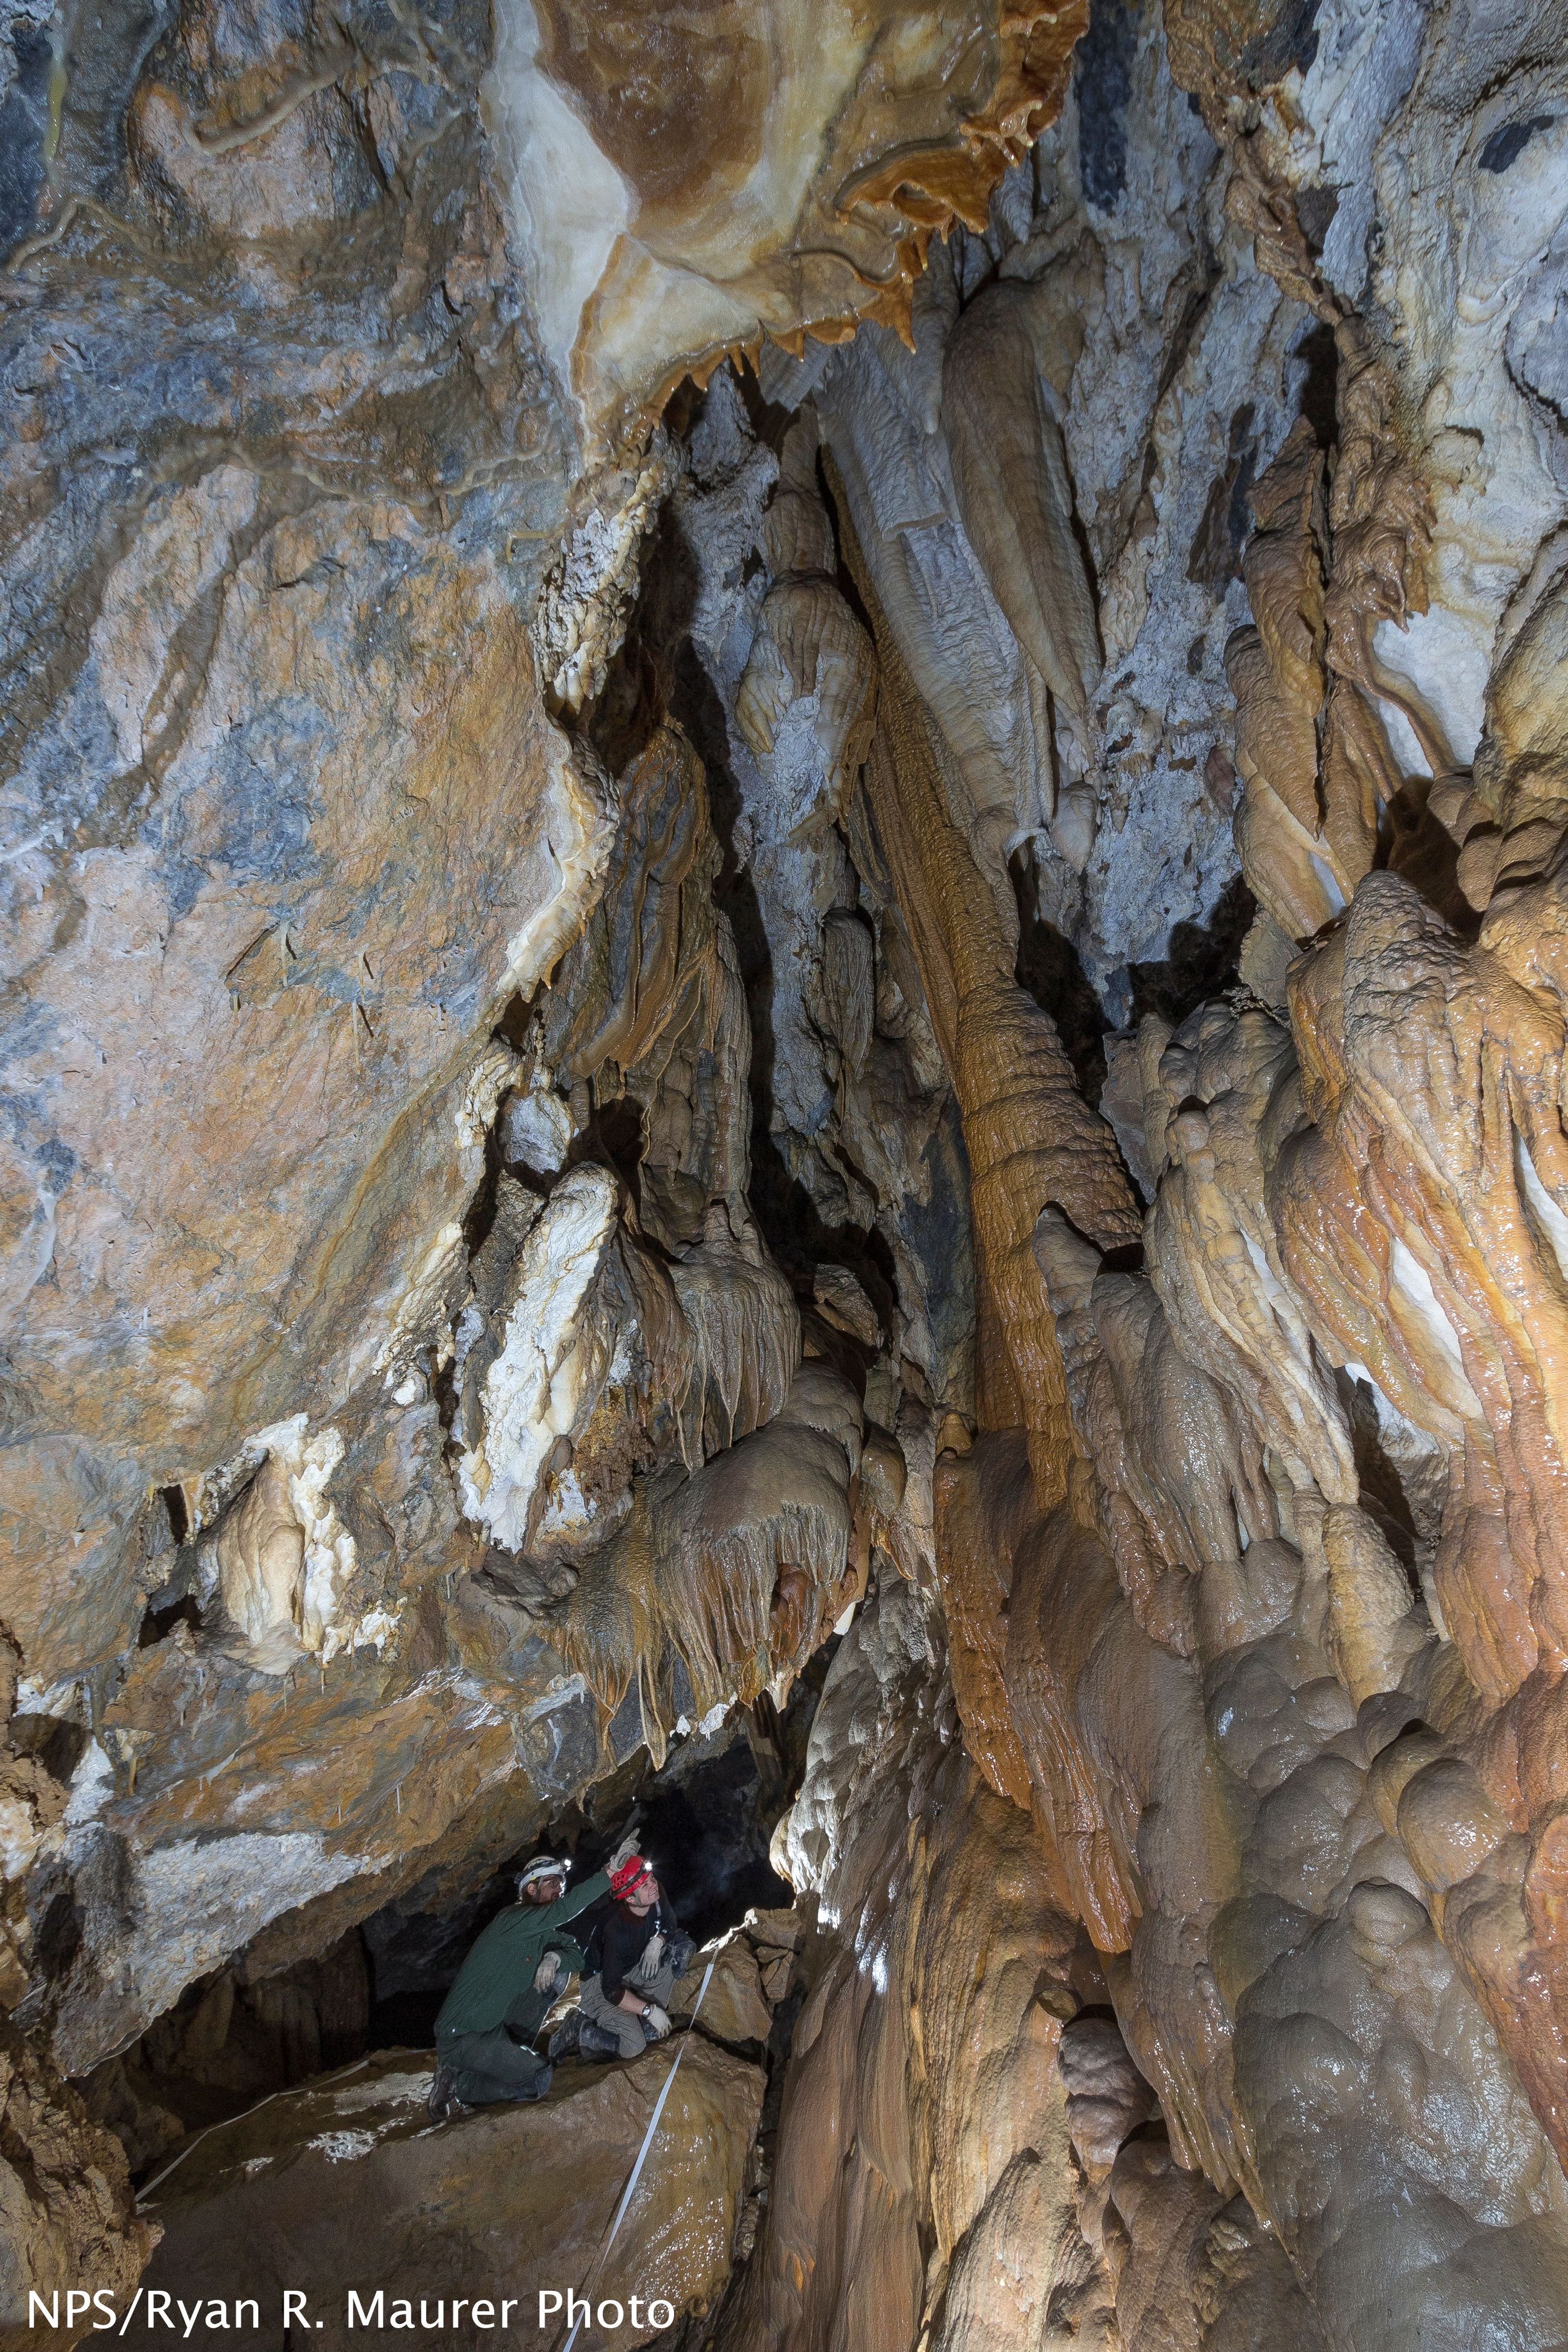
<point x="502" y="2202"/>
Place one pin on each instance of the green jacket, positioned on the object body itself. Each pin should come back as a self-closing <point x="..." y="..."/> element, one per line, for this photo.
<point x="499" y="1970"/>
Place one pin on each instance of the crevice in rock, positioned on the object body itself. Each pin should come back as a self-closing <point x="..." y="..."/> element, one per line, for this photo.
<point x="173" y="1501"/>
<point x="1049" y="968"/>
<point x="1318" y="354"/>
<point x="160" y="1623"/>
<point x="1200" y="962"/>
<point x="705" y="1819"/>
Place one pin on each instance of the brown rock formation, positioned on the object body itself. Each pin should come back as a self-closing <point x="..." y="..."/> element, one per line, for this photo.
<point x="842" y="142"/>
<point x="1030" y="1138"/>
<point x="65" y="2192"/>
<point x="277" y="2199"/>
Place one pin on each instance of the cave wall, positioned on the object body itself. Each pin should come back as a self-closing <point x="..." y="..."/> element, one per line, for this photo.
<point x="665" y="985"/>
<point x="343" y="1352"/>
<point x="305" y="572"/>
<point x="1252" y="1612"/>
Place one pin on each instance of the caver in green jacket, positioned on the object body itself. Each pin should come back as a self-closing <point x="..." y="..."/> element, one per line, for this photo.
<point x="495" y="1983"/>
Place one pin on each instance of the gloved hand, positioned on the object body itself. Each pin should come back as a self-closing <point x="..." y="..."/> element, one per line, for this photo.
<point x="655" y="2021"/>
<point x="653" y="1951"/>
<point x="624" y="1852"/>
<point x="548" y="1974"/>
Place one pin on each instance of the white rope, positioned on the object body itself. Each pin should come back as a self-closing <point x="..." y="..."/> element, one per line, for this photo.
<point x="620" y="2214"/>
<point x="599" y="2258"/>
<point x="316" y="2083"/>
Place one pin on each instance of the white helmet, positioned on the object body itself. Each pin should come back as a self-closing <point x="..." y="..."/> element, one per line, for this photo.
<point x="543" y="1865"/>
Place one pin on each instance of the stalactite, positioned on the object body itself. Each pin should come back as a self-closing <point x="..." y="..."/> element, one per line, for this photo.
<point x="1030" y="1136"/>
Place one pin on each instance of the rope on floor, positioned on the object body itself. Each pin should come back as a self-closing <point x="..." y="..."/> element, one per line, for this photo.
<point x="600" y="2258"/>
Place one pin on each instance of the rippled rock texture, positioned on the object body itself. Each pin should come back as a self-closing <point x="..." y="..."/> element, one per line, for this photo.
<point x="904" y="988"/>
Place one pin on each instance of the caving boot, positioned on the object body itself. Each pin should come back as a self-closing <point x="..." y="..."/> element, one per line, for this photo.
<point x="443" y="2103"/>
<point x="596" y="2041"/>
<point x="563" y="2041"/>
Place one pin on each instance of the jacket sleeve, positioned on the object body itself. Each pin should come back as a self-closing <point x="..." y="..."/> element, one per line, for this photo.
<point x="593" y="1890"/>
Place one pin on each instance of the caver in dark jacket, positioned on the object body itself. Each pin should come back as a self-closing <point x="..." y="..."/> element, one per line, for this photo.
<point x="517" y="1968"/>
<point x="636" y="1957"/>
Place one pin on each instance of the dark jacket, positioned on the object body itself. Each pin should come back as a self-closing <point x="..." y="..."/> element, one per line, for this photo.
<point x="497" y="1975"/>
<point x="619" y="1941"/>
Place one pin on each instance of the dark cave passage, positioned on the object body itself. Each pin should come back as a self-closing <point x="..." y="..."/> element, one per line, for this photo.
<point x="704" y="1821"/>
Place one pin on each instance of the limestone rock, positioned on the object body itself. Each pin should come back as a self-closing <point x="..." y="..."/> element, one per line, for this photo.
<point x="858" y="1103"/>
<point x="68" y="2213"/>
<point x="918" y="2065"/>
<point x="808" y="643"/>
<point x="343" y="2184"/>
<point x="1009" y="470"/>
<point x="737" y="2006"/>
<point x="842" y="142"/>
<point x="1168" y="403"/>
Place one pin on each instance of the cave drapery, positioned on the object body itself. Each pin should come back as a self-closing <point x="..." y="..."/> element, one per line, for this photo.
<point x="785" y="793"/>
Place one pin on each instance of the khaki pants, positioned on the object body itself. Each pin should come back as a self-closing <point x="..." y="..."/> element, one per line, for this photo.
<point x="654" y="1984"/>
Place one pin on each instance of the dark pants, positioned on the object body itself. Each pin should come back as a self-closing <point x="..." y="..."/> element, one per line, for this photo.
<point x="489" y="2068"/>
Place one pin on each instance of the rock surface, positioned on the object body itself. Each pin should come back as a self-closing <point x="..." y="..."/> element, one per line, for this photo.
<point x="955" y="2164"/>
<point x="348" y="2175"/>
<point x="67" y="2207"/>
<point x="841" y="137"/>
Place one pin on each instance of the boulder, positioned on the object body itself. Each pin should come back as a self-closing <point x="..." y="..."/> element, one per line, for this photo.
<point x="736" y="2008"/>
<point x="345" y="2185"/>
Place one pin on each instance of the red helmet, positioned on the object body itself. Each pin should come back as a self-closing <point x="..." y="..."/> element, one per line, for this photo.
<point x="629" y="1876"/>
